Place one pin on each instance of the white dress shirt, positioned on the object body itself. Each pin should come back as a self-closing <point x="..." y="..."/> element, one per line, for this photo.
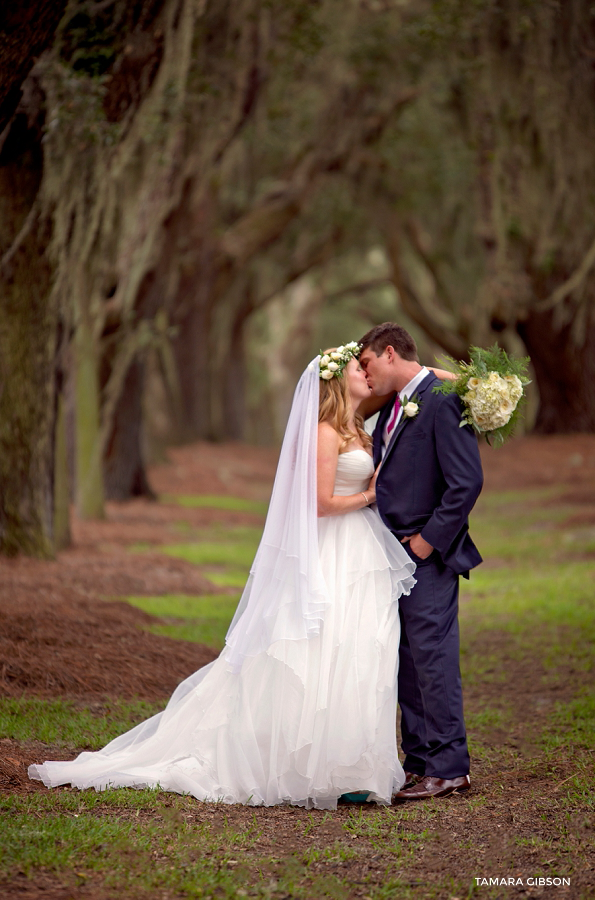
<point x="408" y="391"/>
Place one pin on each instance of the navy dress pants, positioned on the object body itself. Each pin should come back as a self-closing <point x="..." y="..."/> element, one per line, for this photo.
<point x="430" y="690"/>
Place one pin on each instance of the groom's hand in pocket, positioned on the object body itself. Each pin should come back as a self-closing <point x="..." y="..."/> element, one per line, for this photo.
<point x="420" y="547"/>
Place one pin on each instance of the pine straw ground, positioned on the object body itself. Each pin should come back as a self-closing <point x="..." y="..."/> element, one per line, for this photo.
<point x="78" y="664"/>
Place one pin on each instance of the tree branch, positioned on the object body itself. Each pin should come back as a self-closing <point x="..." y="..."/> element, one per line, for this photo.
<point x="266" y="221"/>
<point x="25" y="229"/>
<point x="361" y="287"/>
<point x="254" y="79"/>
<point x="412" y="231"/>
<point x="434" y="321"/>
<point x="571" y="284"/>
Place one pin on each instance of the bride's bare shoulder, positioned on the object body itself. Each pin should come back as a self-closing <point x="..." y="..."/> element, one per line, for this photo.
<point x="328" y="437"/>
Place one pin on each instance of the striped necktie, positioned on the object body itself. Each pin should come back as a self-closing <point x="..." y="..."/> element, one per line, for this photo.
<point x="393" y="418"/>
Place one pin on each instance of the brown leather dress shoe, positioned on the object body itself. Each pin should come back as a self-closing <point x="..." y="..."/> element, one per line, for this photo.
<point x="410" y="779"/>
<point x="430" y="786"/>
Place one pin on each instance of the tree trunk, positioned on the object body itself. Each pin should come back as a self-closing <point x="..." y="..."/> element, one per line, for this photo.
<point x="197" y="293"/>
<point x="233" y="374"/>
<point x="61" y="481"/>
<point x="191" y="347"/>
<point x="565" y="373"/>
<point x="89" y="476"/>
<point x="124" y="467"/>
<point x="28" y="337"/>
<point x="27" y="406"/>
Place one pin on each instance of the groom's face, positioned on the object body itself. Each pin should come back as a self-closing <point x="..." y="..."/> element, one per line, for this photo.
<point x="380" y="370"/>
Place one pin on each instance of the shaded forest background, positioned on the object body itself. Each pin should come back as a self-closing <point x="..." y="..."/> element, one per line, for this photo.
<point x="198" y="195"/>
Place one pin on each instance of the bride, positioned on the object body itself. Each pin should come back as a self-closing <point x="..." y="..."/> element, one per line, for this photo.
<point x="300" y="707"/>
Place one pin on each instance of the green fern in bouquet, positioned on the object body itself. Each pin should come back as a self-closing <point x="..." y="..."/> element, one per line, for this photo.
<point x="492" y="387"/>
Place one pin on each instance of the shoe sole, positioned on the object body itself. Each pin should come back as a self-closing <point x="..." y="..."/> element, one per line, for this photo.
<point x="445" y="793"/>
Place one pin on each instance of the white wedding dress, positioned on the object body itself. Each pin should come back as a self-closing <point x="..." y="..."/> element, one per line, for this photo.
<point x="301" y="722"/>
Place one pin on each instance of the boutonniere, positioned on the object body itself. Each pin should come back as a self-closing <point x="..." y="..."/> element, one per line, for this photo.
<point x="411" y="407"/>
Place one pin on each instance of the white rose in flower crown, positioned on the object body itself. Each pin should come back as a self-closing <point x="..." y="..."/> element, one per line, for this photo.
<point x="410" y="409"/>
<point x="352" y="345"/>
<point x="332" y="366"/>
<point x="341" y="349"/>
<point x="335" y="355"/>
<point x="325" y="360"/>
<point x="326" y="375"/>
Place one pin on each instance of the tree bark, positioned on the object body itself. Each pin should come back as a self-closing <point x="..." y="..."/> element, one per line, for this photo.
<point x="529" y="105"/>
<point x="438" y="323"/>
<point x="565" y="373"/>
<point x="61" y="480"/>
<point x="27" y="404"/>
<point x="233" y="371"/>
<point x="28" y="341"/>
<point x="124" y="466"/>
<point x="89" y="476"/>
<point x="193" y="306"/>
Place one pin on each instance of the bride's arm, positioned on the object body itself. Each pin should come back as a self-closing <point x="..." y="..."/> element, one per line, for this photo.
<point x="443" y="374"/>
<point x="328" y="456"/>
<point x="373" y="403"/>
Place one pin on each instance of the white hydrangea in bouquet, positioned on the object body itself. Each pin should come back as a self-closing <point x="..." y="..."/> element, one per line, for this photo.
<point x="492" y="388"/>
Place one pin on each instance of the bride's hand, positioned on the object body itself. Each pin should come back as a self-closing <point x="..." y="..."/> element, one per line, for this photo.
<point x="371" y="489"/>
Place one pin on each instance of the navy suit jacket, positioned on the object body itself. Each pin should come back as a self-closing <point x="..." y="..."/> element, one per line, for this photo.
<point x="431" y="476"/>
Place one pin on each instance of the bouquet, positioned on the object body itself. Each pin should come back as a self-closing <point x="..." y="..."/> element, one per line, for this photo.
<point x="492" y="388"/>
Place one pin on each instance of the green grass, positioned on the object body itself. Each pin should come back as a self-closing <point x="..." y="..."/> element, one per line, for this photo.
<point x="63" y="723"/>
<point x="572" y="725"/>
<point x="168" y="853"/>
<point x="61" y="842"/>
<point x="229" y="578"/>
<point x="512" y="527"/>
<point x="204" y="620"/>
<point x="225" y="554"/>
<point x="532" y="603"/>
<point x="212" y="501"/>
<point x="522" y="596"/>
<point x="210" y="553"/>
<point x="487" y="719"/>
<point x="233" y="546"/>
<point x="73" y="801"/>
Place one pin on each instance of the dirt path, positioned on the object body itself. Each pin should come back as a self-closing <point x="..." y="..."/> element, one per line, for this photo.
<point x="56" y="638"/>
<point x="62" y="635"/>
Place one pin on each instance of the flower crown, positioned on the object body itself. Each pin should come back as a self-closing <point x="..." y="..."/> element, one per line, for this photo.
<point x="332" y="364"/>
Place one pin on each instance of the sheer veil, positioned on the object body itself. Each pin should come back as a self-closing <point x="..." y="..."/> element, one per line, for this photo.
<point x="285" y="596"/>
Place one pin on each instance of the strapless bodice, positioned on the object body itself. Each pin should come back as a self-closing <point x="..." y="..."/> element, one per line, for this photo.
<point x="354" y="470"/>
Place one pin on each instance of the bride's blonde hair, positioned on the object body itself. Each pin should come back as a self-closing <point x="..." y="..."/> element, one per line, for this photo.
<point x="335" y="408"/>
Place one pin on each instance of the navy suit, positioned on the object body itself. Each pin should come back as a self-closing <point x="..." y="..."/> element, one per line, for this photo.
<point x="428" y="483"/>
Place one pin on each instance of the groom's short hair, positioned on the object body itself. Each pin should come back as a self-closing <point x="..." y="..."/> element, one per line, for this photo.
<point x="389" y="334"/>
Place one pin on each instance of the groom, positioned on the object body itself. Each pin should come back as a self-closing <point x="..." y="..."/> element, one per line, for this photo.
<point x="428" y="481"/>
